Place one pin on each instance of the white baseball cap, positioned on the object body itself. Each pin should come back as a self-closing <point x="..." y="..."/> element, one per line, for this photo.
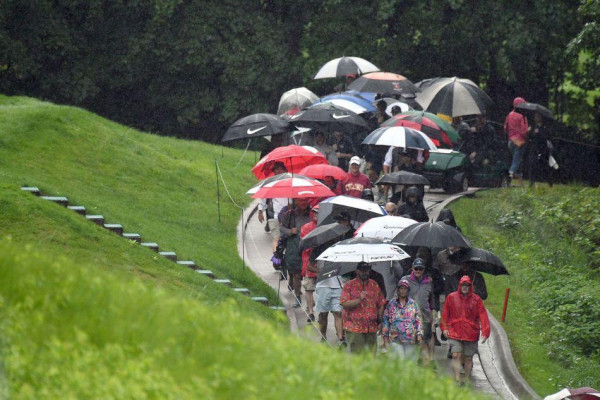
<point x="355" y="160"/>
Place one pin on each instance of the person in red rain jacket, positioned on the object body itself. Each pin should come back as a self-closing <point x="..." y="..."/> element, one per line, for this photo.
<point x="463" y="316"/>
<point x="309" y="268"/>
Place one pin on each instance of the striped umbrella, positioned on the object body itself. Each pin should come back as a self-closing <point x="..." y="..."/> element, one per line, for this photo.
<point x="293" y="188"/>
<point x="454" y="97"/>
<point x="399" y="136"/>
<point x="440" y="131"/>
<point x="345" y="66"/>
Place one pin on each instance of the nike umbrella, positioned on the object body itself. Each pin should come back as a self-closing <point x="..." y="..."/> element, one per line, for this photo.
<point x="256" y="125"/>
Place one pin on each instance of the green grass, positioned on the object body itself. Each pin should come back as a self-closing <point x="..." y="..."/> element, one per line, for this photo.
<point x="86" y="314"/>
<point x="552" y="278"/>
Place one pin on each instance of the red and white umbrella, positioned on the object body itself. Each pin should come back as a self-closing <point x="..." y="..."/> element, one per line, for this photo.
<point x="385" y="227"/>
<point x="293" y="157"/>
<point x="320" y="171"/>
<point x="582" y="393"/>
<point x="293" y="188"/>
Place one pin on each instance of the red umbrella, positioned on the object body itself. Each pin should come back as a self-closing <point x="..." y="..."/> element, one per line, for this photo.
<point x="320" y="171"/>
<point x="293" y="157"/>
<point x="293" y="188"/>
<point x="442" y="135"/>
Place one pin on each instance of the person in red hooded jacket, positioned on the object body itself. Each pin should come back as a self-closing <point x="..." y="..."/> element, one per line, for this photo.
<point x="463" y="316"/>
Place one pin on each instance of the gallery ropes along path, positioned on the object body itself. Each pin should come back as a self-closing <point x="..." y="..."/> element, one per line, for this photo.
<point x="494" y="371"/>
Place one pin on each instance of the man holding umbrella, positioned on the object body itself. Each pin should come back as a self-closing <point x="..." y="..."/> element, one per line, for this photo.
<point x="463" y="315"/>
<point x="362" y="302"/>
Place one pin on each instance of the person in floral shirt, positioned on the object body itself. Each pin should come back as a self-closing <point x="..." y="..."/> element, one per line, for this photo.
<point x="402" y="324"/>
<point x="362" y="301"/>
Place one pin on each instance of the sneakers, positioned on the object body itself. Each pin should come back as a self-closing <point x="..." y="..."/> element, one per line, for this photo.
<point x="342" y="344"/>
<point x="298" y="304"/>
<point x="311" y="318"/>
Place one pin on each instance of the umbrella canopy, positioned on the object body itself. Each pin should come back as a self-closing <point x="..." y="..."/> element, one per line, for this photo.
<point x="440" y="131"/>
<point x="330" y="118"/>
<point x="343" y="100"/>
<point x="341" y="103"/>
<point x="399" y="136"/>
<point x="256" y="125"/>
<point x="431" y="234"/>
<point x="384" y="228"/>
<point x="345" y="66"/>
<point x="582" y="393"/>
<point x="320" y="171"/>
<point x="323" y="234"/>
<point x="274" y="178"/>
<point x="362" y="249"/>
<point x="525" y="108"/>
<point x="402" y="106"/>
<point x="292" y="188"/>
<point x="403" y="178"/>
<point x="383" y="82"/>
<point x="453" y="97"/>
<point x="296" y="98"/>
<point x="293" y="157"/>
<point x="481" y="260"/>
<point x="359" y="210"/>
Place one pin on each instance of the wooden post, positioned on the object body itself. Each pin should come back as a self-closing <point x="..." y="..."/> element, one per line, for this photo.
<point x="218" y="194"/>
<point x="505" y="304"/>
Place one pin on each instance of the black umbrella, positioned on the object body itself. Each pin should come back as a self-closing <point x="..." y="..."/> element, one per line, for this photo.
<point x="481" y="260"/>
<point x="453" y="96"/>
<point x="323" y="234"/>
<point x="403" y="178"/>
<point x="256" y="125"/>
<point x="534" y="107"/>
<point x="431" y="234"/>
<point x="344" y="66"/>
<point x="329" y="118"/>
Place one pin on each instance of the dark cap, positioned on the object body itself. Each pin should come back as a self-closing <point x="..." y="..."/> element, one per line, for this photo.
<point x="343" y="216"/>
<point x="363" y="265"/>
<point x="278" y="164"/>
<point x="418" y="263"/>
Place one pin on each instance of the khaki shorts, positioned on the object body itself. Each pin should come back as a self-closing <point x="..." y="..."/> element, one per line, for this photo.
<point x="468" y="349"/>
<point x="309" y="284"/>
<point x="274" y="228"/>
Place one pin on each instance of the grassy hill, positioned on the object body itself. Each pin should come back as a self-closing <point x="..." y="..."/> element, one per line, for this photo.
<point x="86" y="314"/>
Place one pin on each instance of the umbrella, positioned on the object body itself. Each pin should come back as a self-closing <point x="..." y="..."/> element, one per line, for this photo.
<point x="431" y="234"/>
<point x="292" y="188"/>
<point x="256" y="125"/>
<point x="293" y="157"/>
<point x="453" y="97"/>
<point x="383" y="82"/>
<point x="320" y="171"/>
<point x="296" y="98"/>
<point x="582" y="393"/>
<point x="360" y="210"/>
<point x="345" y="66"/>
<point x="385" y="227"/>
<point x="323" y="234"/>
<point x="403" y="178"/>
<point x="440" y="131"/>
<point x="399" y="136"/>
<point x="481" y="260"/>
<point x="534" y="107"/>
<point x="330" y="118"/>
<point x="403" y="107"/>
<point x="341" y="103"/>
<point x="362" y="249"/>
<point x="353" y="102"/>
<point x="274" y="178"/>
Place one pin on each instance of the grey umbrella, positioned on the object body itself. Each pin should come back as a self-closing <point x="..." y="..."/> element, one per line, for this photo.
<point x="525" y="108"/>
<point x="403" y="178"/>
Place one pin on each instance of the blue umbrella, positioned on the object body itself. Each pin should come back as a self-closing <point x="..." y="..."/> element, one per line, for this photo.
<point x="356" y="99"/>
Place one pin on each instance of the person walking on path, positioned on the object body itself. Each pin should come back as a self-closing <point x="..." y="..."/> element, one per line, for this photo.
<point x="291" y="224"/>
<point x="540" y="150"/>
<point x="271" y="208"/>
<point x="463" y="316"/>
<point x="421" y="290"/>
<point x="355" y="181"/>
<point x="401" y="328"/>
<point x="516" y="128"/>
<point x="362" y="301"/>
<point x="413" y="206"/>
<point x="309" y="267"/>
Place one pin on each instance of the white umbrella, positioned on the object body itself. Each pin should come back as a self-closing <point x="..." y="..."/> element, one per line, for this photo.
<point x="363" y="249"/>
<point x="454" y="97"/>
<point x="384" y="228"/>
<point x="399" y="136"/>
<point x="299" y="97"/>
<point x="344" y="66"/>
<point x="359" y="210"/>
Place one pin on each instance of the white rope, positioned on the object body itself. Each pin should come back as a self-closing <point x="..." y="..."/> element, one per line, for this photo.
<point x="226" y="189"/>
<point x="243" y="154"/>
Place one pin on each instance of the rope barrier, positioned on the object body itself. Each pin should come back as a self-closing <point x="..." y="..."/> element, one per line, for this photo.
<point x="225" y="186"/>
<point x="243" y="154"/>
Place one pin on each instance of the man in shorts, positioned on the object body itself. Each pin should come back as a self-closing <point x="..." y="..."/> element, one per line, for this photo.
<point x="463" y="316"/>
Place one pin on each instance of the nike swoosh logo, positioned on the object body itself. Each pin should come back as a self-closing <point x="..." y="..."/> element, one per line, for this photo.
<point x="253" y="131"/>
<point x="335" y="116"/>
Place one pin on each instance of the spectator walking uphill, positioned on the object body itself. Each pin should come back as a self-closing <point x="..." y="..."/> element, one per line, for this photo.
<point x="516" y="128"/>
<point x="309" y="267"/>
<point x="271" y="208"/>
<point x="362" y="301"/>
<point x="421" y="290"/>
<point x="413" y="208"/>
<point x="463" y="316"/>
<point x="344" y="149"/>
<point x="355" y="181"/>
<point x="401" y="328"/>
<point x="291" y="225"/>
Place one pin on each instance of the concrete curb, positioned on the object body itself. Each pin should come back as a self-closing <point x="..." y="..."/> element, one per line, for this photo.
<point x="498" y="360"/>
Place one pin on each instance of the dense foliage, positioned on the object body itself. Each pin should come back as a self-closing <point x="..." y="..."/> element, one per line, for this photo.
<point x="190" y="68"/>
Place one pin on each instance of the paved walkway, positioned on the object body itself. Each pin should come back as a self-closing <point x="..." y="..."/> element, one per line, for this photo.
<point x="254" y="246"/>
